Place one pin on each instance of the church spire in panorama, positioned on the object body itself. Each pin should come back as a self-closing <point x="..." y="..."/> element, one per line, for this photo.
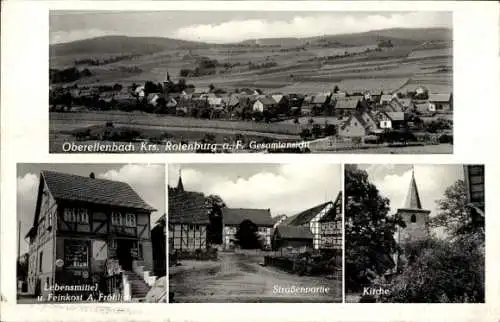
<point x="413" y="198"/>
<point x="180" y="185"/>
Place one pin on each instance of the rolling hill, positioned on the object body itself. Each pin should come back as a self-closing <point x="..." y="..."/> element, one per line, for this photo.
<point x="149" y="45"/>
<point x="398" y="36"/>
<point x="418" y="56"/>
<point x="120" y="45"/>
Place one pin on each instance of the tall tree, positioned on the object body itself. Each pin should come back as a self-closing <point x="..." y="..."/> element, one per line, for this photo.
<point x="22" y="267"/>
<point x="214" y="204"/>
<point x="247" y="236"/>
<point x="369" y="230"/>
<point x="454" y="214"/>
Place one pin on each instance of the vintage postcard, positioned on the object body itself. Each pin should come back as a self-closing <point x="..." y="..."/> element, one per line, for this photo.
<point x="86" y="235"/>
<point x="249" y="160"/>
<point x="251" y="81"/>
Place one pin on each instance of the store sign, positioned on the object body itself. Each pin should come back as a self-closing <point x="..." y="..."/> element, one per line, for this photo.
<point x="59" y="262"/>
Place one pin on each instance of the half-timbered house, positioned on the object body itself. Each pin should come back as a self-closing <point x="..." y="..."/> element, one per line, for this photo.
<point x="233" y="217"/>
<point x="189" y="222"/>
<point x="187" y="219"/>
<point x="83" y="227"/>
<point x="310" y="219"/>
<point x="331" y="227"/>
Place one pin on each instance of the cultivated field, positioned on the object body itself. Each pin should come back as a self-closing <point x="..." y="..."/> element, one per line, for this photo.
<point x="354" y="63"/>
<point x="305" y="65"/>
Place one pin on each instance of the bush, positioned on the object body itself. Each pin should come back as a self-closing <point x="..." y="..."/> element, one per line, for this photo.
<point x="330" y="129"/>
<point x="446" y="138"/>
<point x="305" y="134"/>
<point x="440" y="271"/>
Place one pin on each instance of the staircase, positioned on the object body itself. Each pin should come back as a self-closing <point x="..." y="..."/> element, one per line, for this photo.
<point x="138" y="287"/>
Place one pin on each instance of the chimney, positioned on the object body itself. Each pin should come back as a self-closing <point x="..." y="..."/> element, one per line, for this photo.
<point x="92" y="175"/>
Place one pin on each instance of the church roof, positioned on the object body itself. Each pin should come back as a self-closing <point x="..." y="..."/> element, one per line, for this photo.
<point x="180" y="185"/>
<point x="413" y="198"/>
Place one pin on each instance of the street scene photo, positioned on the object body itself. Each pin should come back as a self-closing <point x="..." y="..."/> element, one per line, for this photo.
<point x="375" y="82"/>
<point x="91" y="233"/>
<point x="255" y="233"/>
<point x="414" y="233"/>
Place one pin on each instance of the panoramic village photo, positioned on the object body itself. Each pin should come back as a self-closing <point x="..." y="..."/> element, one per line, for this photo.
<point x="414" y="233"/>
<point x="251" y="81"/>
<point x="91" y="233"/>
<point x="255" y="233"/>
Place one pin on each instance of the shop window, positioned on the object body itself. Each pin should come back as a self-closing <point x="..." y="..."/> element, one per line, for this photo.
<point x="76" y="254"/>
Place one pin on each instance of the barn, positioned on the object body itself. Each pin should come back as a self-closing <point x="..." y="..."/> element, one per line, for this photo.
<point x="233" y="217"/>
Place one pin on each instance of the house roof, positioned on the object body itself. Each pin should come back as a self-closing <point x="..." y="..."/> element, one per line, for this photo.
<point x="331" y="214"/>
<point x="386" y="98"/>
<point x="247" y="91"/>
<point x="152" y="96"/>
<point x="422" y="107"/>
<point x="396" y="116"/>
<point x="215" y="100"/>
<point x="187" y="207"/>
<point x="406" y="102"/>
<point x="319" y="99"/>
<point x="339" y="95"/>
<point x="278" y="218"/>
<point x="267" y="100"/>
<point x="70" y="187"/>
<point x="201" y="90"/>
<point x="277" y="97"/>
<point x="234" y="216"/>
<point x="294" y="232"/>
<point x="439" y="97"/>
<point x="231" y="100"/>
<point x="305" y="216"/>
<point x="347" y="103"/>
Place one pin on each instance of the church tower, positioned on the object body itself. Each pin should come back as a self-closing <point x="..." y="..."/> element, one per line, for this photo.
<point x="415" y="218"/>
<point x="167" y="85"/>
<point x="180" y="185"/>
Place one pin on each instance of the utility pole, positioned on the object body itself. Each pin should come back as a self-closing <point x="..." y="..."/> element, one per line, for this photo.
<point x="19" y="239"/>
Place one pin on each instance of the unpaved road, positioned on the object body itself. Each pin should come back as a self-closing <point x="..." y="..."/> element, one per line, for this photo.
<point x="240" y="278"/>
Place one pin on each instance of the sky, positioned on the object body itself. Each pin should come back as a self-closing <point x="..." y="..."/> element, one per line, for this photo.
<point x="393" y="181"/>
<point x="148" y="180"/>
<point x="284" y="188"/>
<point x="231" y="26"/>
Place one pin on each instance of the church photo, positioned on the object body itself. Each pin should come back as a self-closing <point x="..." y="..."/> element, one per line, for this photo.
<point x="253" y="233"/>
<point x="414" y="233"/>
